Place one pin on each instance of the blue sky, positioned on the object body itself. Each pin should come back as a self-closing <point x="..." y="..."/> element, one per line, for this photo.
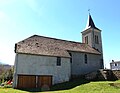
<point x="63" y="19"/>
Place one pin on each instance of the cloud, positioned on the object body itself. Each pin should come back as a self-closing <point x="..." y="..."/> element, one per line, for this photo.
<point x="33" y="4"/>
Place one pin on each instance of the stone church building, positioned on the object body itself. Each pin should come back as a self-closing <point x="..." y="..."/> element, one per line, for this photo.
<point x="47" y="61"/>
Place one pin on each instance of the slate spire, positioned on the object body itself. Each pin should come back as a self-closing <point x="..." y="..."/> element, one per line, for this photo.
<point x="90" y="23"/>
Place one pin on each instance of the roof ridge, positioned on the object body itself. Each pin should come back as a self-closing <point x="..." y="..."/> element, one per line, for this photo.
<point x="56" y="39"/>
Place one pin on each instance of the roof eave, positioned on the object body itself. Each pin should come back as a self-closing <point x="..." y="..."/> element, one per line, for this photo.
<point x="42" y="55"/>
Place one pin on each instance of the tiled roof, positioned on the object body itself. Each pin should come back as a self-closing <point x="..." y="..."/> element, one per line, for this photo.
<point x="41" y="45"/>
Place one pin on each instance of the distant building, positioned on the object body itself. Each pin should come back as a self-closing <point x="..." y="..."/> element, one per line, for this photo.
<point x="115" y="65"/>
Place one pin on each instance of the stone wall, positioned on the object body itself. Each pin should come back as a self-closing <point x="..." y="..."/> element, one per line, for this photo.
<point x="116" y="73"/>
<point x="103" y="74"/>
<point x="106" y="74"/>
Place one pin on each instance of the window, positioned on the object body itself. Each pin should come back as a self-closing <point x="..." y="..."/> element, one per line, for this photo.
<point x="70" y="57"/>
<point x="96" y="39"/>
<point x="115" y="64"/>
<point x="85" y="59"/>
<point x="86" y="39"/>
<point x="58" y="61"/>
<point x="101" y="64"/>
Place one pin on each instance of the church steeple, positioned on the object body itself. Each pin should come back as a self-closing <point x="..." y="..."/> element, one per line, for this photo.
<point x="90" y="23"/>
<point x="92" y="35"/>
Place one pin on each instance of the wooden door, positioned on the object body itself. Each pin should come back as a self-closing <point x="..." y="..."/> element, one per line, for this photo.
<point x="25" y="81"/>
<point x="44" y="80"/>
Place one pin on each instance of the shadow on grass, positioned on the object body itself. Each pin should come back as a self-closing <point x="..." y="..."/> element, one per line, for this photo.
<point x="69" y="85"/>
<point x="31" y="90"/>
<point x="61" y="86"/>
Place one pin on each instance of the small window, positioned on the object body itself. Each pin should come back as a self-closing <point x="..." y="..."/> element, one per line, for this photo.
<point x="101" y="63"/>
<point x="115" y="64"/>
<point x="85" y="59"/>
<point x="86" y="39"/>
<point x="58" y="61"/>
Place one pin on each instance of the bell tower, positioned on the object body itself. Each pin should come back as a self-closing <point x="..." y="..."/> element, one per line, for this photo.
<point x="92" y="35"/>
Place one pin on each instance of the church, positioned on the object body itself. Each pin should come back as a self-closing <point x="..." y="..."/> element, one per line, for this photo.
<point x="41" y="60"/>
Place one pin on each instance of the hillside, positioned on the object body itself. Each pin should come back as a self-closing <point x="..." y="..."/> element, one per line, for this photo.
<point x="4" y="67"/>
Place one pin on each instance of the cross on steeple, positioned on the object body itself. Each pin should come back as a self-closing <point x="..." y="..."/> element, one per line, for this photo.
<point x="89" y="11"/>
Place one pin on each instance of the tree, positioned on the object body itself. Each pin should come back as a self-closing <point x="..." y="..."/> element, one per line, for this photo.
<point x="8" y="74"/>
<point x="1" y="73"/>
<point x="5" y="74"/>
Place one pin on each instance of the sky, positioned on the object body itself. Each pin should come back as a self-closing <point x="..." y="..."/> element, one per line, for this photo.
<point x="62" y="19"/>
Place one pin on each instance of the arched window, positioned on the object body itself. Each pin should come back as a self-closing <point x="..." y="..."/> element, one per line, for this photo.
<point x="70" y="57"/>
<point x="101" y="64"/>
<point x="85" y="58"/>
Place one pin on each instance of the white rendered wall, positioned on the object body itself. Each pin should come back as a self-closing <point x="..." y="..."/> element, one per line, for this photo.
<point x="79" y="67"/>
<point x="42" y="65"/>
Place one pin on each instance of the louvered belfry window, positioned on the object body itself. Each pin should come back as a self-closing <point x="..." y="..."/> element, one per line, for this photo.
<point x="86" y="39"/>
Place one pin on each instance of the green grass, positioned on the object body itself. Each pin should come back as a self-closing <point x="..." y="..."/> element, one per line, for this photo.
<point x="76" y="86"/>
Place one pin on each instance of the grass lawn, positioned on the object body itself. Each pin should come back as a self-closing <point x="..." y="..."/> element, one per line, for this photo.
<point x="77" y="86"/>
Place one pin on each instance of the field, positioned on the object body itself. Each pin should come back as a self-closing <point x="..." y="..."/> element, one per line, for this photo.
<point x="76" y="86"/>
